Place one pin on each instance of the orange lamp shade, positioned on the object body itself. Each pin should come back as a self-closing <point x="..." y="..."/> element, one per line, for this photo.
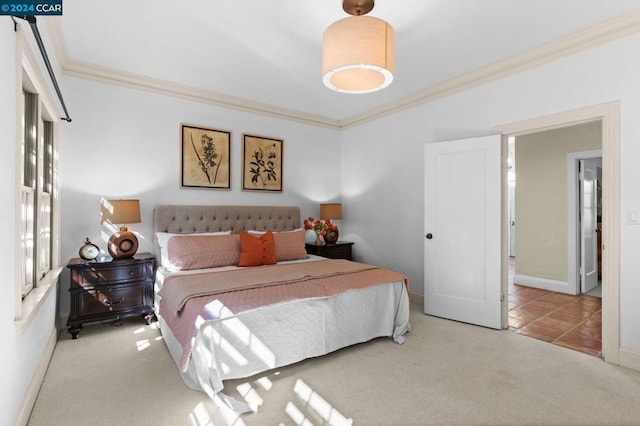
<point x="332" y="211"/>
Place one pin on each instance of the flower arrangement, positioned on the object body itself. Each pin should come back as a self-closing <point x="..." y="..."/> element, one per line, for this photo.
<point x="319" y="227"/>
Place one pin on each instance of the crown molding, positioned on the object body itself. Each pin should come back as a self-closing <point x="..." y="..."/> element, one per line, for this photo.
<point x="588" y="38"/>
<point x="568" y="45"/>
<point x="163" y="87"/>
<point x="87" y="71"/>
<point x="54" y="28"/>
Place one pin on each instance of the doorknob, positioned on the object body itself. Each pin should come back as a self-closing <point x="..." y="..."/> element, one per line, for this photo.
<point x="429" y="236"/>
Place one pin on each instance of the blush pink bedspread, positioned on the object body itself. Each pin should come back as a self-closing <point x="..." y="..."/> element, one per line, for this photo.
<point x="189" y="299"/>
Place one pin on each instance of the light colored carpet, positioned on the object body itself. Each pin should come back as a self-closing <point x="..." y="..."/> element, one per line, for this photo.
<point x="445" y="373"/>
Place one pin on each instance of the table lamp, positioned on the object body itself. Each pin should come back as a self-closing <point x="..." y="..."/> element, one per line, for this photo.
<point x="331" y="211"/>
<point x="123" y="244"/>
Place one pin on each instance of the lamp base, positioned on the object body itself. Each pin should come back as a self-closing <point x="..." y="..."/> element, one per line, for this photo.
<point x="122" y="244"/>
<point x="331" y="236"/>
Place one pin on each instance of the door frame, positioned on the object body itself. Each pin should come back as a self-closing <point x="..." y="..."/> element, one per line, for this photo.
<point x="609" y="114"/>
<point x="572" y="215"/>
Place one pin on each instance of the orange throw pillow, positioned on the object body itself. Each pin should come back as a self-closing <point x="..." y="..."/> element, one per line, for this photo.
<point x="257" y="251"/>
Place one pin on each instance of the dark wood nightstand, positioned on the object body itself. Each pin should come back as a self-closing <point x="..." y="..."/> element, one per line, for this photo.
<point x="339" y="250"/>
<point x="110" y="290"/>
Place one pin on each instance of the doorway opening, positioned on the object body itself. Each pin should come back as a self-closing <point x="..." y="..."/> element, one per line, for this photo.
<point x="479" y="295"/>
<point x="585" y="236"/>
<point x="608" y="115"/>
<point x="552" y="216"/>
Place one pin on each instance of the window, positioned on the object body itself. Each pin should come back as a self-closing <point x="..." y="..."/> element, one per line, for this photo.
<point x="36" y="192"/>
<point x="37" y="205"/>
<point x="27" y="194"/>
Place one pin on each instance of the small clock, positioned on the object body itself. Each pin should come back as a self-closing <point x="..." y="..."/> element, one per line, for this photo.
<point x="89" y="251"/>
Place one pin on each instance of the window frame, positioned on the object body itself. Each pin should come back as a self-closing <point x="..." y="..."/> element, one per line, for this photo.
<point x="30" y="77"/>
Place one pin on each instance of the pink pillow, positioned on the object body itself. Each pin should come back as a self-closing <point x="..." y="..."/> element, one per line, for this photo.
<point x="203" y="251"/>
<point x="289" y="244"/>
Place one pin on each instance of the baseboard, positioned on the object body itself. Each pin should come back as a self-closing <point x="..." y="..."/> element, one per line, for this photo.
<point x="543" y="283"/>
<point x="61" y="321"/>
<point x="37" y="379"/>
<point x="629" y="358"/>
<point x="416" y="299"/>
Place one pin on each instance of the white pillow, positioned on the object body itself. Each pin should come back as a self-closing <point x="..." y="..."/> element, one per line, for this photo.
<point x="163" y="239"/>
<point x="259" y="233"/>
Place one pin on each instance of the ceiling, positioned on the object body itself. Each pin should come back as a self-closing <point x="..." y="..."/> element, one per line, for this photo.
<point x="267" y="55"/>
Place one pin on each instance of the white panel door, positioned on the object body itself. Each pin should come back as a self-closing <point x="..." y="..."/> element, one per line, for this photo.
<point x="588" y="225"/>
<point x="463" y="230"/>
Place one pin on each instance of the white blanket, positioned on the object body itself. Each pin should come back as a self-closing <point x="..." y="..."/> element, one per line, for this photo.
<point x="244" y="344"/>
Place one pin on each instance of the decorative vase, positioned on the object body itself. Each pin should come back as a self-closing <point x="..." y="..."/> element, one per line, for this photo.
<point x="331" y="237"/>
<point x="319" y="240"/>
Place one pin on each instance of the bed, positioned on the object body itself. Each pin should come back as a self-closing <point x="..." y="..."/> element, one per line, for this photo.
<point x="222" y="321"/>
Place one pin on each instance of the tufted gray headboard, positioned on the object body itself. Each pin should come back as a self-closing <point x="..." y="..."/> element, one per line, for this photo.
<point x="188" y="219"/>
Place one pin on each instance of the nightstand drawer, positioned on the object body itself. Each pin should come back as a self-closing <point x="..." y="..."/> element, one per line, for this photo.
<point x="111" y="300"/>
<point x="135" y="272"/>
<point x="339" y="250"/>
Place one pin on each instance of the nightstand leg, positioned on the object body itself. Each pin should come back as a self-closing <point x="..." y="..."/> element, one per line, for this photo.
<point x="150" y="317"/>
<point x="74" y="330"/>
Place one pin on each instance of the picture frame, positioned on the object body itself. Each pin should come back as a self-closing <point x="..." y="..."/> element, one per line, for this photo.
<point x="205" y="158"/>
<point x="262" y="159"/>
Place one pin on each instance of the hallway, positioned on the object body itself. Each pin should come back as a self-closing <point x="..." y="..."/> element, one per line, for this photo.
<point x="574" y="322"/>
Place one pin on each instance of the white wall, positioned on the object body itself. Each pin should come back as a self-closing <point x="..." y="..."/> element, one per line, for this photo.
<point x="126" y="143"/>
<point x="382" y="161"/>
<point x="21" y="352"/>
<point x="7" y="211"/>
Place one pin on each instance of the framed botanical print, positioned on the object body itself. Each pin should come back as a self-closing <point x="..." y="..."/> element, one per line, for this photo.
<point x="206" y="158"/>
<point x="261" y="163"/>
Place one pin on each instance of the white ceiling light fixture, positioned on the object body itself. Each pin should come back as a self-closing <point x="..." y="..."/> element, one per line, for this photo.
<point x="357" y="52"/>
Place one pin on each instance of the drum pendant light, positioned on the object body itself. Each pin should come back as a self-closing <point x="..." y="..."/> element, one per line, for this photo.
<point x="357" y="52"/>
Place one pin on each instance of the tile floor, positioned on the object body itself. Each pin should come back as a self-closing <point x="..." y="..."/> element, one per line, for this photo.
<point x="574" y="322"/>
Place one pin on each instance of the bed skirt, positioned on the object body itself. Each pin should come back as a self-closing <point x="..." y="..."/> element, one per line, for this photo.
<point x="259" y="340"/>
